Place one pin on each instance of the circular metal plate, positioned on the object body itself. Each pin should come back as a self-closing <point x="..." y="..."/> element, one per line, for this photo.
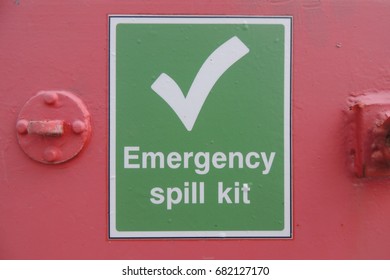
<point x="53" y="126"/>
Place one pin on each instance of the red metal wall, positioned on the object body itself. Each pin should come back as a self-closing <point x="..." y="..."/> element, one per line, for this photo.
<point x="339" y="48"/>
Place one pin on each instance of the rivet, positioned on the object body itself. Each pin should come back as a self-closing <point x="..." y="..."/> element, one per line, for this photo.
<point x="78" y="126"/>
<point x="21" y="126"/>
<point x="51" y="154"/>
<point x="50" y="98"/>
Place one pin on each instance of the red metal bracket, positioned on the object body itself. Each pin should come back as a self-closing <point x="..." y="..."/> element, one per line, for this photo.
<point x="371" y="134"/>
<point x="53" y="126"/>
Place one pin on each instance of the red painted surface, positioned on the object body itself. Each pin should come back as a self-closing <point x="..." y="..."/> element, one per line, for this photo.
<point x="340" y="48"/>
<point x="370" y="134"/>
<point x="53" y="126"/>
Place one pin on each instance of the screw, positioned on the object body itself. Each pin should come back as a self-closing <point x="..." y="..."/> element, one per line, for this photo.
<point x="21" y="126"/>
<point x="51" y="154"/>
<point x="50" y="98"/>
<point x="78" y="126"/>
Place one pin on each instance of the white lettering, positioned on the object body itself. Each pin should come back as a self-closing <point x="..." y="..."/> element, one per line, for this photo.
<point x="245" y="190"/>
<point x="267" y="162"/>
<point x="153" y="159"/>
<point x="187" y="156"/>
<point x="219" y="160"/>
<point x="223" y="194"/>
<point x="202" y="162"/>
<point x="174" y="160"/>
<point x="248" y="160"/>
<point x="202" y="166"/>
<point x="190" y="193"/>
<point x="238" y="194"/>
<point x="170" y="197"/>
<point x="240" y="159"/>
<point x="157" y="195"/>
<point x="129" y="157"/>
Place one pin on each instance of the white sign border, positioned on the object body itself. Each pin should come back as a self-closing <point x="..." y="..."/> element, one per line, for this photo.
<point x="286" y="21"/>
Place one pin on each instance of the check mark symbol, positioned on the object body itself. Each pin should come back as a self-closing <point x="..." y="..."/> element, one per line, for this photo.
<point x="188" y="108"/>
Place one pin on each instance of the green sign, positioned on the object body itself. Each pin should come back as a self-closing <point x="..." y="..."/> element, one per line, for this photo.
<point x="200" y="127"/>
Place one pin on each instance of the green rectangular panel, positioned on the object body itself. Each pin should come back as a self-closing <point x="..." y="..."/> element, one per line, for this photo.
<point x="200" y="127"/>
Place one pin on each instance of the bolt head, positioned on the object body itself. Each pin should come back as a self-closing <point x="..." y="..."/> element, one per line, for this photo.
<point x="50" y="98"/>
<point x="78" y="126"/>
<point x="22" y="126"/>
<point x="51" y="154"/>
